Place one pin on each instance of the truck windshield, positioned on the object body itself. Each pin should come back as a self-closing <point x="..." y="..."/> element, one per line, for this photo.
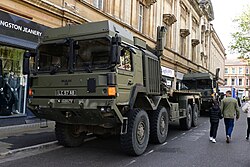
<point x="94" y="53"/>
<point x="204" y="84"/>
<point x="87" y="55"/>
<point x="198" y="84"/>
<point x="53" y="57"/>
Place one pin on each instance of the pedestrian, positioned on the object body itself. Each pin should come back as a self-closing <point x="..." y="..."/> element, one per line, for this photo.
<point x="238" y="99"/>
<point x="215" y="116"/>
<point x="246" y="109"/>
<point x="230" y="109"/>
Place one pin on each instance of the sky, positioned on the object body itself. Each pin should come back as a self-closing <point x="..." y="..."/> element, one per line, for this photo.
<point x="224" y="13"/>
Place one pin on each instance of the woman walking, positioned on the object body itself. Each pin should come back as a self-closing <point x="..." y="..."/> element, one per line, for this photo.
<point x="215" y="116"/>
<point x="246" y="109"/>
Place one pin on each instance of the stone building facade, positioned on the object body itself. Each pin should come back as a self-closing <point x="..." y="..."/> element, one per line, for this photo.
<point x="237" y="77"/>
<point x="192" y="44"/>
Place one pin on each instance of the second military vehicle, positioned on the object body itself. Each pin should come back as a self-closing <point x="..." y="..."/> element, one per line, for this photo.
<point x="206" y="84"/>
<point x="99" y="78"/>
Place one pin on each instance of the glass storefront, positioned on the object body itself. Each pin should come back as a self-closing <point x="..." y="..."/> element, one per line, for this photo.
<point x="17" y="35"/>
<point x="13" y="83"/>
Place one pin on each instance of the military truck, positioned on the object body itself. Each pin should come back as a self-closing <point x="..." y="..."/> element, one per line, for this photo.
<point x="206" y="84"/>
<point x="98" y="78"/>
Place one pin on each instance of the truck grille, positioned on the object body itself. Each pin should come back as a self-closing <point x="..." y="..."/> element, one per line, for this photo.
<point x="152" y="71"/>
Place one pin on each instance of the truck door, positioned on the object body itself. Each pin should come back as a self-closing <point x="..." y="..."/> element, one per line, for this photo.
<point x="125" y="77"/>
<point x="129" y="73"/>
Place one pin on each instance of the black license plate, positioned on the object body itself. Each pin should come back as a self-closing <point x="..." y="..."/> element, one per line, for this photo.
<point x="66" y="92"/>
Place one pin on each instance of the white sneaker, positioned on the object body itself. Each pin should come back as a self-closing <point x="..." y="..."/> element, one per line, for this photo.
<point x="210" y="138"/>
<point x="213" y="141"/>
<point x="228" y="139"/>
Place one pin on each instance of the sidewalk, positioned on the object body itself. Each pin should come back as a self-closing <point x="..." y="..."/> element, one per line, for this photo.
<point x="25" y="135"/>
<point x="18" y="119"/>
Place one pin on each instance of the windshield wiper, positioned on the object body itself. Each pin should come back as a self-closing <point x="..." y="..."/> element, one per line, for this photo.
<point x="55" y="69"/>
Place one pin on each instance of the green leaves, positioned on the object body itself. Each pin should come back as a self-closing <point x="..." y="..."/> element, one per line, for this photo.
<point x="241" y="38"/>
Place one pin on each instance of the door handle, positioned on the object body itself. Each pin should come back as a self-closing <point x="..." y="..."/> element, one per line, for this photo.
<point x="130" y="82"/>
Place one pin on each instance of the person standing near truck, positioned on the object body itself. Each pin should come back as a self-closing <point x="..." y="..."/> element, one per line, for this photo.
<point x="215" y="116"/>
<point x="230" y="109"/>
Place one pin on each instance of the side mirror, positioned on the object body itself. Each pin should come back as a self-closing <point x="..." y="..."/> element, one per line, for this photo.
<point x="217" y="74"/>
<point x="214" y="83"/>
<point x="116" y="50"/>
<point x="26" y="62"/>
<point x="1" y="74"/>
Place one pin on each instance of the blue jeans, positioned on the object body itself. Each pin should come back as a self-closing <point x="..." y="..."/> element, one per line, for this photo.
<point x="229" y="125"/>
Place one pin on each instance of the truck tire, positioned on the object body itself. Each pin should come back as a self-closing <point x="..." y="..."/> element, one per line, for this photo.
<point x="185" y="123"/>
<point x="195" y="115"/>
<point x="135" y="141"/>
<point x="159" y="125"/>
<point x="69" y="135"/>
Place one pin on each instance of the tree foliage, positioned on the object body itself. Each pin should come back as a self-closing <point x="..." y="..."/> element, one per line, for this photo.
<point x="241" y="39"/>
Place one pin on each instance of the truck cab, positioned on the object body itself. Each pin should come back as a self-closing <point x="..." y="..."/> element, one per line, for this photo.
<point x="204" y="83"/>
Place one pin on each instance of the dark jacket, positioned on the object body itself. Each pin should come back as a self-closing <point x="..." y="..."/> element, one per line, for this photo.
<point x="215" y="114"/>
<point x="238" y="100"/>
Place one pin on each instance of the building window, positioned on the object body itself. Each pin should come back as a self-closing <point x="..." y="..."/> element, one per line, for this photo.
<point x="233" y="70"/>
<point x="140" y="18"/>
<point x="225" y="81"/>
<point x="127" y="13"/>
<point x="240" y="70"/>
<point x="194" y="50"/>
<point x="240" y="82"/>
<point x="247" y="82"/>
<point x="184" y="31"/>
<point x="232" y="81"/>
<point x="98" y="4"/>
<point x="194" y="41"/>
<point x="247" y="70"/>
<point x="226" y="70"/>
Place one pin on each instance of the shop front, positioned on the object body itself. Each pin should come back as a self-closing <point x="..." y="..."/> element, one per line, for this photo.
<point x="17" y="35"/>
<point x="169" y="75"/>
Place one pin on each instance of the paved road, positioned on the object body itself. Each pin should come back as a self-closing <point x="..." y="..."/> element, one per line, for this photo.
<point x="16" y="137"/>
<point x="183" y="148"/>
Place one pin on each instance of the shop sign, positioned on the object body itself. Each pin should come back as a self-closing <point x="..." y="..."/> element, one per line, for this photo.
<point x="179" y="75"/>
<point x="167" y="72"/>
<point x="169" y="83"/>
<point x="17" y="27"/>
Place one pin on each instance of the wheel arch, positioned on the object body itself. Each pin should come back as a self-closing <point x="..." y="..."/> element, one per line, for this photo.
<point x="165" y="103"/>
<point x="140" y="99"/>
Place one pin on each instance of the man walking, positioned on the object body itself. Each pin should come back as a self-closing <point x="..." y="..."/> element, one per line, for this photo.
<point x="229" y="108"/>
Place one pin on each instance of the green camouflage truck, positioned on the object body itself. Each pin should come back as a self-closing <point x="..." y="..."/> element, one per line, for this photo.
<point x="206" y="84"/>
<point x="98" y="78"/>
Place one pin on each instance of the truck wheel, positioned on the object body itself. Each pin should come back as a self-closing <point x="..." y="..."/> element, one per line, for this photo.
<point x="69" y="135"/>
<point x="195" y="115"/>
<point x="135" y="141"/>
<point x="186" y="122"/>
<point x="159" y="125"/>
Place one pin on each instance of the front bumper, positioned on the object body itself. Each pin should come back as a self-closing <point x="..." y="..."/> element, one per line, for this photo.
<point x="75" y="111"/>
